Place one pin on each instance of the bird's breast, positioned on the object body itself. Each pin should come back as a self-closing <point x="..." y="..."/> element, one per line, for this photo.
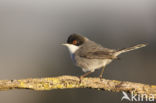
<point x="73" y="57"/>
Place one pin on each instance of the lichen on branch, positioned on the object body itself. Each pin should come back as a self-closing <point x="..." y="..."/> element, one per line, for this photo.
<point x="64" y="82"/>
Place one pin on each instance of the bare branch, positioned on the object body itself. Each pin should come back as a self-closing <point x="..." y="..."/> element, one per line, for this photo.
<point x="64" y="82"/>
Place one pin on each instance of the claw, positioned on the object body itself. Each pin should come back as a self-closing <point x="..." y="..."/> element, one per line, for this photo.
<point x="100" y="77"/>
<point x="81" y="77"/>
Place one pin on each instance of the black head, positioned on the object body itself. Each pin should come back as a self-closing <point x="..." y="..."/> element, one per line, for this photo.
<point x="76" y="39"/>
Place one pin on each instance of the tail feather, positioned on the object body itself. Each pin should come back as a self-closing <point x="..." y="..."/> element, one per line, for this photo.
<point x="130" y="48"/>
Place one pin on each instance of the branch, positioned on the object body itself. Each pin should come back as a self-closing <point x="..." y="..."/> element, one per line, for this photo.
<point x="64" y="82"/>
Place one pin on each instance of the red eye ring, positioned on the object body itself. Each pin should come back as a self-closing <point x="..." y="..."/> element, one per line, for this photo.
<point x="75" y="42"/>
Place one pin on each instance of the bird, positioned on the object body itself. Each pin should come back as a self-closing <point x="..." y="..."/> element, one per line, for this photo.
<point x="90" y="56"/>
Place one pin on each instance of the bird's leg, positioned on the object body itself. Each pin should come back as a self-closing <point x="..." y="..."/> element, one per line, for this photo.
<point x="82" y="76"/>
<point x="100" y="76"/>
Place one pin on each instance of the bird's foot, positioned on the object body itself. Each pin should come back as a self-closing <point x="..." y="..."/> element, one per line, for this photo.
<point x="100" y="77"/>
<point x="81" y="77"/>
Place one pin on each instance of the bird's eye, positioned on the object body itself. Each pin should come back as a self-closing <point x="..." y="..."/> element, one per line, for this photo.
<point x="75" y="42"/>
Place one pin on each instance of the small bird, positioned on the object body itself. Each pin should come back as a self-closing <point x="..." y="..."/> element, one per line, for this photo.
<point x="91" y="56"/>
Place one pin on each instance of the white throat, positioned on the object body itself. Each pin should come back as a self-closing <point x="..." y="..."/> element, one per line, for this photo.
<point x="72" y="48"/>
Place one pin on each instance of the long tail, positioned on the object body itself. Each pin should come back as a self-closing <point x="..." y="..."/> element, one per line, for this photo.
<point x="130" y="48"/>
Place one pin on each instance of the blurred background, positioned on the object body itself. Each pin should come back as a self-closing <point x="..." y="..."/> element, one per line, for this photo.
<point x="32" y="31"/>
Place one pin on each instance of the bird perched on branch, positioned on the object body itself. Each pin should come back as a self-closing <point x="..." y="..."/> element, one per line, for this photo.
<point x="90" y="56"/>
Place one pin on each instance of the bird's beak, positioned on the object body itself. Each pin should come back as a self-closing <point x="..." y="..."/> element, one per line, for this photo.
<point x="64" y="44"/>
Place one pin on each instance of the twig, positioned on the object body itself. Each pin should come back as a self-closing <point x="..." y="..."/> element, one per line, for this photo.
<point x="64" y="82"/>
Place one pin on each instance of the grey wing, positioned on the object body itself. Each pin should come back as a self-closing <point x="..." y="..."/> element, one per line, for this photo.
<point x="98" y="55"/>
<point x="96" y="51"/>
